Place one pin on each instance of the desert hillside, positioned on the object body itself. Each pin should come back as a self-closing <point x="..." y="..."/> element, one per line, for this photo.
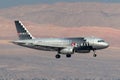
<point x="67" y="14"/>
<point x="64" y="20"/>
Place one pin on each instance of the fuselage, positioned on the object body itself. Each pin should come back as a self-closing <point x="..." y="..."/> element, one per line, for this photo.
<point x="52" y="44"/>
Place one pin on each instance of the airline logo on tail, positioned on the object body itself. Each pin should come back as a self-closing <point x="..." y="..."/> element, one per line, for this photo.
<point x="23" y="33"/>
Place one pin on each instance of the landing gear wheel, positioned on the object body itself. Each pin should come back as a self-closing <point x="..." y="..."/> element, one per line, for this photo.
<point x="94" y="55"/>
<point x="68" y="55"/>
<point x="57" y="56"/>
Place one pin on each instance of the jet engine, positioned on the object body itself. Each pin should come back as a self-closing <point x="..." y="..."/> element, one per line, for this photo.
<point x="68" y="50"/>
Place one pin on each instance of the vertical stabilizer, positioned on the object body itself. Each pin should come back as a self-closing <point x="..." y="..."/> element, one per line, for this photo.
<point x="23" y="33"/>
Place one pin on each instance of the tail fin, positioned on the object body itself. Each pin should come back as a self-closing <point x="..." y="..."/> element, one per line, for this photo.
<point x="23" y="33"/>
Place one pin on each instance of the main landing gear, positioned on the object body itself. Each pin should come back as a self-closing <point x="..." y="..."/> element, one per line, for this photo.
<point x="68" y="55"/>
<point x="94" y="55"/>
<point x="59" y="56"/>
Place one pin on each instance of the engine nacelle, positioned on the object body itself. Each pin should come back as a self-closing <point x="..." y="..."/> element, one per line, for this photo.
<point x="68" y="50"/>
<point x="83" y="51"/>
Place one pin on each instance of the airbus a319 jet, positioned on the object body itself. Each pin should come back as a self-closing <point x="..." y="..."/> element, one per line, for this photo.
<point x="66" y="46"/>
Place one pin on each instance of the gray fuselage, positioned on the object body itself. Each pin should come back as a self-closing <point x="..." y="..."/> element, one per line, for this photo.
<point x="53" y="44"/>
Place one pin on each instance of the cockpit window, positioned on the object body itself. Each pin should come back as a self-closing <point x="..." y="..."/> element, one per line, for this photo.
<point x="101" y="41"/>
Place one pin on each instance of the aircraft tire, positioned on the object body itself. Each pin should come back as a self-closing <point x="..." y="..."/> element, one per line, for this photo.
<point x="94" y="55"/>
<point x="68" y="55"/>
<point x="57" y="56"/>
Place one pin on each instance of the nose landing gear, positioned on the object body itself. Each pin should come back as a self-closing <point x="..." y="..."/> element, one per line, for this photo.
<point x="68" y="55"/>
<point x="94" y="55"/>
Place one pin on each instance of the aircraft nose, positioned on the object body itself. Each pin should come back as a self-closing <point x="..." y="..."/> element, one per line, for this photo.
<point x="106" y="45"/>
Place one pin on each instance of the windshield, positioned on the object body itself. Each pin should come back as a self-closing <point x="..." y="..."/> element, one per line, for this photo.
<point x="101" y="41"/>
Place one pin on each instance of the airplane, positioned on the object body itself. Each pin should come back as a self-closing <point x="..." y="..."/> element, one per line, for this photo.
<point x="66" y="46"/>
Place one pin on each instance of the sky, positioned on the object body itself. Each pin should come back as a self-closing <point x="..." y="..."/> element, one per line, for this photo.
<point x="11" y="3"/>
